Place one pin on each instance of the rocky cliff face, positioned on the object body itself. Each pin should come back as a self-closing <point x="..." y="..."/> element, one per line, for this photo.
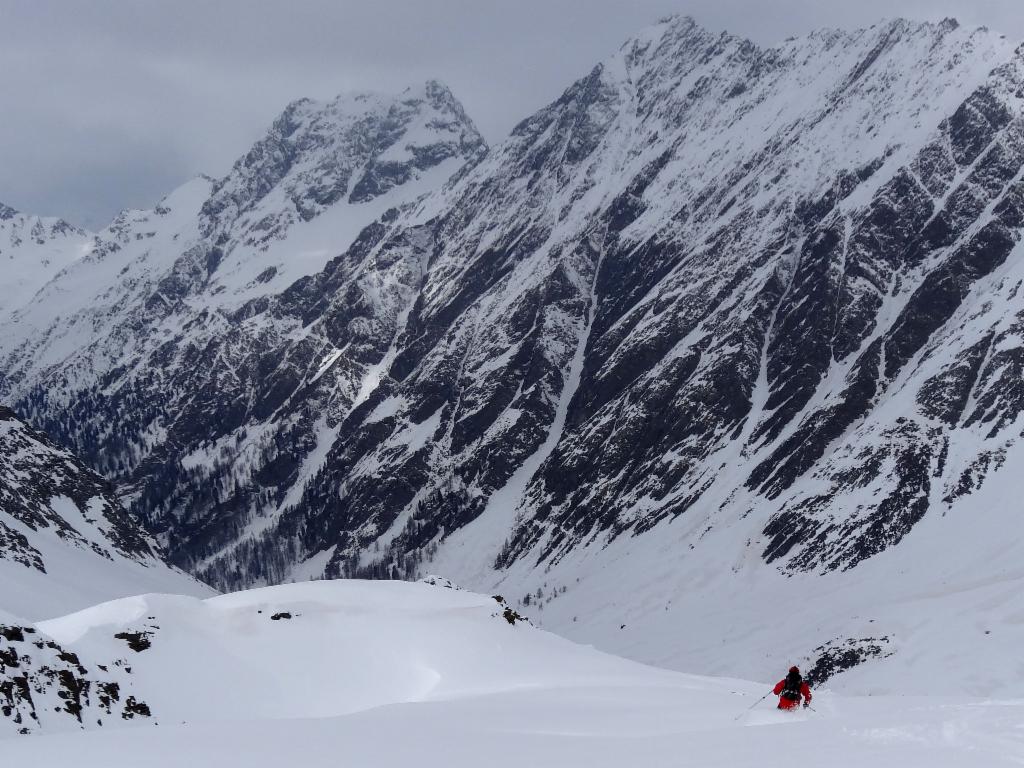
<point x="227" y="332"/>
<point x="44" y="686"/>
<point x="760" y="301"/>
<point x="35" y="472"/>
<point x="66" y="541"/>
<point x="678" y="290"/>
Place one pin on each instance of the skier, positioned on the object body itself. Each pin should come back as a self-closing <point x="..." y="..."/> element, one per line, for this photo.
<point x="791" y="688"/>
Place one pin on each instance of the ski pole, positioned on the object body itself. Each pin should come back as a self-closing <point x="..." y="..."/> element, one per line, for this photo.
<point x="741" y="714"/>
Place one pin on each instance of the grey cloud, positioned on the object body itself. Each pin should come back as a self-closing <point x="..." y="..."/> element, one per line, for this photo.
<point x="111" y="103"/>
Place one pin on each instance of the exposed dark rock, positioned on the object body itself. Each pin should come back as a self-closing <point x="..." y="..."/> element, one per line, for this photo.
<point x="840" y="655"/>
<point x="137" y="641"/>
<point x="40" y="680"/>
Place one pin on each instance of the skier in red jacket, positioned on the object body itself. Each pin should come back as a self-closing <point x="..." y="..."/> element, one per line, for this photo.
<point x="791" y="688"/>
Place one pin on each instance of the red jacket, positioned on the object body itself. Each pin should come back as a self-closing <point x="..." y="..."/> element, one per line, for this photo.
<point x="785" y="703"/>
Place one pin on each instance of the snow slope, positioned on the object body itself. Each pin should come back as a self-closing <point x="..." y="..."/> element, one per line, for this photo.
<point x="393" y="674"/>
<point x="293" y="203"/>
<point x="65" y="540"/>
<point x="563" y="727"/>
<point x="33" y="250"/>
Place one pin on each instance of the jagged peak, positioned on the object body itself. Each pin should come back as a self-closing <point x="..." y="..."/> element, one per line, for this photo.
<point x="685" y="28"/>
<point x="901" y="26"/>
<point x="681" y="29"/>
<point x="433" y="92"/>
<point x="677" y="23"/>
<point x="53" y="224"/>
<point x="677" y="38"/>
<point x="330" y="120"/>
<point x="324" y="151"/>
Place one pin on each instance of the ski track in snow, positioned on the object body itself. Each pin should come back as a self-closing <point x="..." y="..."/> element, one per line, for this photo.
<point x="395" y="674"/>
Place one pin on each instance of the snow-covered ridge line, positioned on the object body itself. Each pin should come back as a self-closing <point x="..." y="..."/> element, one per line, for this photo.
<point x="33" y="250"/>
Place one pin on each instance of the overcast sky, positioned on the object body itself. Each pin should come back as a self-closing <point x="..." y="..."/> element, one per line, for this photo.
<point x="111" y="103"/>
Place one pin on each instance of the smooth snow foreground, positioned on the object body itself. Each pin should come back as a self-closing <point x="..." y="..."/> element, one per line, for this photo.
<point x="399" y="674"/>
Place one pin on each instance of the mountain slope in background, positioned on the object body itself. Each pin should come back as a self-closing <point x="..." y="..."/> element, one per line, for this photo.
<point x="34" y="249"/>
<point x="173" y="331"/>
<point x="65" y="540"/>
<point x="723" y="332"/>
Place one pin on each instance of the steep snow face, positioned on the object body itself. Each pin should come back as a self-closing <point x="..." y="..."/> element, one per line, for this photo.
<point x="393" y="674"/>
<point x="65" y="540"/>
<point x="33" y="249"/>
<point x="344" y="163"/>
<point x="723" y="337"/>
<point x="90" y="317"/>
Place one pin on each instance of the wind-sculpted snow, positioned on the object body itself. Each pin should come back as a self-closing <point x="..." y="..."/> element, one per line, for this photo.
<point x="309" y="650"/>
<point x="394" y="674"/>
<point x="761" y="297"/>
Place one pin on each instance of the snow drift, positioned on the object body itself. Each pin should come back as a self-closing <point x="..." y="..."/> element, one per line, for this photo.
<point x="393" y="674"/>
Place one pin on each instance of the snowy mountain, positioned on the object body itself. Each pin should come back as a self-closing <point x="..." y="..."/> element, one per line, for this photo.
<point x="34" y="249"/>
<point x="166" y="327"/>
<point x="65" y="540"/>
<point x="395" y="674"/>
<point x="724" y="332"/>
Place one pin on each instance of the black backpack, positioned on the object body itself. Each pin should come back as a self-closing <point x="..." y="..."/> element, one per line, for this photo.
<point x="791" y="692"/>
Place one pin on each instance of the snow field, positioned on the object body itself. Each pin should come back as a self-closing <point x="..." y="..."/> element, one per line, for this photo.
<point x="397" y="674"/>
